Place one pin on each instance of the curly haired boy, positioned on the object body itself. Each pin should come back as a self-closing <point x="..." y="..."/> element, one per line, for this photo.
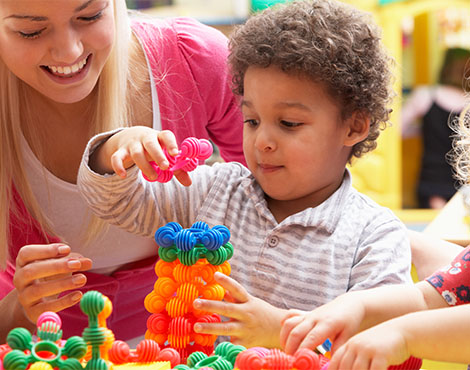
<point x="314" y="86"/>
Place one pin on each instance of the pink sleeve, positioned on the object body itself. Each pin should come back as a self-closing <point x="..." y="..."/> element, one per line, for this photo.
<point x="6" y="280"/>
<point x="188" y="61"/>
<point x="205" y="50"/>
<point x="453" y="281"/>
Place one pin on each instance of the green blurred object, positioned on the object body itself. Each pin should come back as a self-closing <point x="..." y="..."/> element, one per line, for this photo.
<point x="257" y="5"/>
<point x="145" y="4"/>
<point x="384" y="2"/>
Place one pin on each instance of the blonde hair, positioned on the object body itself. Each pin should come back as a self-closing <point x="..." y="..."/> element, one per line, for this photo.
<point x="108" y="111"/>
<point x="461" y="147"/>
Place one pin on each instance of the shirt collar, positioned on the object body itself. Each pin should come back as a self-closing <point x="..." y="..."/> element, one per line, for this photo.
<point x="325" y="216"/>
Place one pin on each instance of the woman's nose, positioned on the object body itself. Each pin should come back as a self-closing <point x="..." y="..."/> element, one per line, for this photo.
<point x="66" y="46"/>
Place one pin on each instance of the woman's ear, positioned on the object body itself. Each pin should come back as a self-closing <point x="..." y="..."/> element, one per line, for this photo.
<point x="358" y="128"/>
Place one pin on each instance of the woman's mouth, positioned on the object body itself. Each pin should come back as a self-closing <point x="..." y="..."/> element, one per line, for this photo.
<point x="67" y="71"/>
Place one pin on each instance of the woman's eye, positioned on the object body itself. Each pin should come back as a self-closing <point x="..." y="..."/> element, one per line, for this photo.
<point x="92" y="18"/>
<point x="30" y="35"/>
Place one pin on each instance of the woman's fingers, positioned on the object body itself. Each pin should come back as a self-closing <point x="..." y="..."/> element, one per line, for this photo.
<point x="32" y="253"/>
<point x="44" y="269"/>
<point x="44" y="289"/>
<point x="54" y="304"/>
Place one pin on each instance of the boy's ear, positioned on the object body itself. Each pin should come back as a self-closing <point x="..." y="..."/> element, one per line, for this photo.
<point x="358" y="128"/>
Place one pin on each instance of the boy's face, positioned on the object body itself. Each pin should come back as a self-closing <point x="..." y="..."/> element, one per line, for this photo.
<point x="294" y="140"/>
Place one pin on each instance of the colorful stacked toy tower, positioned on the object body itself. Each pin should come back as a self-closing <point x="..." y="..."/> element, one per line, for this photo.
<point x="188" y="260"/>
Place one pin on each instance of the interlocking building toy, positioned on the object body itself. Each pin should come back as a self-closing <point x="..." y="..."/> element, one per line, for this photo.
<point x="48" y="352"/>
<point x="192" y="151"/>
<point x="188" y="260"/>
<point x="223" y="359"/>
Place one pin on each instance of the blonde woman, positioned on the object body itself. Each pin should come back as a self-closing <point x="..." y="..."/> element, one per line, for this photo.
<point x="70" y="69"/>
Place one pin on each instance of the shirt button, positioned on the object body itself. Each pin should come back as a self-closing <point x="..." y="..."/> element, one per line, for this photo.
<point x="273" y="241"/>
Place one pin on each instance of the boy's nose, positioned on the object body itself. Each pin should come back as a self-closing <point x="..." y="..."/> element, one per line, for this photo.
<point x="265" y="140"/>
<point x="66" y="47"/>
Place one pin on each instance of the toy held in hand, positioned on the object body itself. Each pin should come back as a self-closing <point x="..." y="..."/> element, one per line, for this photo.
<point x="192" y="151"/>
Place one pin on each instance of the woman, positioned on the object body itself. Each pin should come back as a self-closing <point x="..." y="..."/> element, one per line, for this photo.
<point x="70" y="69"/>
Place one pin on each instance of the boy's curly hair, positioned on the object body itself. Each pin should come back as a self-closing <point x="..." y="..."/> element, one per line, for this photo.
<point x="329" y="42"/>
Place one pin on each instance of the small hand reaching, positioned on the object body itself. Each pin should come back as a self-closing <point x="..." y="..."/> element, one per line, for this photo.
<point x="375" y="348"/>
<point x="337" y="320"/>
<point x="253" y="322"/>
<point x="137" y="145"/>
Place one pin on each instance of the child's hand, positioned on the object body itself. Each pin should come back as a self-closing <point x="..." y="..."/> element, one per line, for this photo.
<point x="375" y="348"/>
<point x="137" y="145"/>
<point x="45" y="271"/>
<point x="253" y="322"/>
<point x="337" y="320"/>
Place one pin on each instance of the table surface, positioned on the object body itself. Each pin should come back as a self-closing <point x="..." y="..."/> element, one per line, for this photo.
<point x="451" y="223"/>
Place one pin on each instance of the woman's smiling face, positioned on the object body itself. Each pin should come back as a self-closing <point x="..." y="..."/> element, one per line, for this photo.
<point x="58" y="47"/>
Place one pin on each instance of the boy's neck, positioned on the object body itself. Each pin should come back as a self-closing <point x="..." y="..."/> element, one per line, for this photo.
<point x="282" y="209"/>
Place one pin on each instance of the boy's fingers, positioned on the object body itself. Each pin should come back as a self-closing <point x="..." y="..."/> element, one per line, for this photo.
<point x="228" y="328"/>
<point x="141" y="160"/>
<point x="288" y="342"/>
<point x="183" y="177"/>
<point x="155" y="153"/>
<point x="234" y="287"/>
<point x="226" y="309"/>
<point x="167" y="140"/>
<point x="117" y="161"/>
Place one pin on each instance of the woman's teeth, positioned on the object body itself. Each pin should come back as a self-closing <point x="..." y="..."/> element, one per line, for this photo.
<point x="68" y="70"/>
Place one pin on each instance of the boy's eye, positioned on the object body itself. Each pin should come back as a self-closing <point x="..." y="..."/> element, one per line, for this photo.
<point x="92" y="18"/>
<point x="290" y="124"/>
<point x="251" y="122"/>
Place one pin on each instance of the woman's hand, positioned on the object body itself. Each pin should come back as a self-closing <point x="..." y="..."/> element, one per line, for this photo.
<point x="137" y="145"/>
<point x="43" y="272"/>
<point x="253" y="322"/>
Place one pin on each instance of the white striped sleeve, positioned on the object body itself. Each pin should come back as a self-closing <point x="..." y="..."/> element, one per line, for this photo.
<point x="137" y="205"/>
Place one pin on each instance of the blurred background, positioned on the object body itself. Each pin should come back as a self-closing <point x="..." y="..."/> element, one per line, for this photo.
<point x="419" y="35"/>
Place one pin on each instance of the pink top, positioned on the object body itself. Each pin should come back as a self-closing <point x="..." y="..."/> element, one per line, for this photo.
<point x="188" y="61"/>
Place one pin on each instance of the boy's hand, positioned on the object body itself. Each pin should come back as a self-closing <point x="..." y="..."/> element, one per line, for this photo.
<point x="137" y="145"/>
<point x="45" y="271"/>
<point x="375" y="348"/>
<point x="337" y="320"/>
<point x="253" y="322"/>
